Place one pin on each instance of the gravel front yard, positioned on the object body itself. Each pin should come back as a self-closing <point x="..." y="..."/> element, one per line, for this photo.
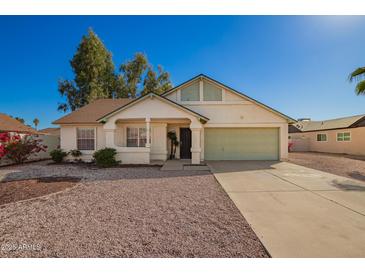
<point x="19" y="190"/>
<point x="125" y="212"/>
<point x="339" y="164"/>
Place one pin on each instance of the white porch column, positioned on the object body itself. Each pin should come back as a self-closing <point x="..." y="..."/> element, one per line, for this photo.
<point x="195" y="144"/>
<point x="109" y="129"/>
<point x="148" y="128"/>
<point x="109" y="137"/>
<point x="283" y="142"/>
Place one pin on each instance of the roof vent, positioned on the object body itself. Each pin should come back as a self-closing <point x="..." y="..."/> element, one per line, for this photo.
<point x="304" y="119"/>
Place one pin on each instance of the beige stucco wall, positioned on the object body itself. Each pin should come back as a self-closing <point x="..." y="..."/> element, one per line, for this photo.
<point x="355" y="147"/>
<point x="153" y="108"/>
<point x="236" y="111"/>
<point x="299" y="143"/>
<point x="68" y="139"/>
<point x="134" y="155"/>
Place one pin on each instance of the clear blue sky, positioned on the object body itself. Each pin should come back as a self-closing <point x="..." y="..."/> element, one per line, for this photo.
<point x="297" y="65"/>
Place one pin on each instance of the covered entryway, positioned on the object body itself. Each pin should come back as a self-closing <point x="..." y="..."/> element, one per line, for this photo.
<point x="138" y="131"/>
<point x="185" y="143"/>
<point x="241" y="143"/>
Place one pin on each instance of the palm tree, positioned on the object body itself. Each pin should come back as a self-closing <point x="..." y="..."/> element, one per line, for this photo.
<point x="36" y="122"/>
<point x="174" y="143"/>
<point x="359" y="75"/>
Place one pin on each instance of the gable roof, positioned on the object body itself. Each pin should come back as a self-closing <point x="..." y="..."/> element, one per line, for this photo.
<point x="339" y="123"/>
<point x="90" y="113"/>
<point x="291" y="120"/>
<point x="159" y="97"/>
<point x="10" y="124"/>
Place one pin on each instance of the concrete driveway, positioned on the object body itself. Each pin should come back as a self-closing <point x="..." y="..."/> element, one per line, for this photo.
<point x="297" y="211"/>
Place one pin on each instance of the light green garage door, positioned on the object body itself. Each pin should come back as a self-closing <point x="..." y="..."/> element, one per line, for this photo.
<point x="241" y="143"/>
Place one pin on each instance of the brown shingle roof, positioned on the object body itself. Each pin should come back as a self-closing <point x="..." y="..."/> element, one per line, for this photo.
<point x="338" y="123"/>
<point x="10" y="124"/>
<point x="90" y="113"/>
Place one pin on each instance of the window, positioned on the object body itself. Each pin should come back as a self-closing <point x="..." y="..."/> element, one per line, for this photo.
<point x="86" y="139"/>
<point x="322" y="137"/>
<point x="211" y="92"/>
<point x="191" y="93"/>
<point x="136" y="137"/>
<point x="343" y="136"/>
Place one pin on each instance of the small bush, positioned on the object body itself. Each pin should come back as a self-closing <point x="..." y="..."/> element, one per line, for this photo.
<point x="75" y="153"/>
<point x="105" y="157"/>
<point x="58" y="155"/>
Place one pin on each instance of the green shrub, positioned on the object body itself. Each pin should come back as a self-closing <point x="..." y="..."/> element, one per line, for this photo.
<point x="58" y="155"/>
<point x="75" y="153"/>
<point x="105" y="157"/>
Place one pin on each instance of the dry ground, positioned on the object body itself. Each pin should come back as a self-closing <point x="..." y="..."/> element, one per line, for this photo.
<point x="19" y="190"/>
<point x="125" y="212"/>
<point x="339" y="164"/>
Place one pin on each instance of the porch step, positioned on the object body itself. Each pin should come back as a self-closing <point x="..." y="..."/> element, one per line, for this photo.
<point x="196" y="167"/>
<point x="182" y="165"/>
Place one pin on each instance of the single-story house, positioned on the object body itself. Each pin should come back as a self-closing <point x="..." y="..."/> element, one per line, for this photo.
<point x="342" y="135"/>
<point x="211" y="120"/>
<point x="9" y="124"/>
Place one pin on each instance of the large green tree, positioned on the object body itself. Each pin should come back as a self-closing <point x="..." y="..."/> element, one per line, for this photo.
<point x="94" y="74"/>
<point x="359" y="75"/>
<point x="156" y="82"/>
<point x="137" y="77"/>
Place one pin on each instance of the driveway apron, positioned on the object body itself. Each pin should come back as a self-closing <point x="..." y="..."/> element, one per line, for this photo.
<point x="297" y="211"/>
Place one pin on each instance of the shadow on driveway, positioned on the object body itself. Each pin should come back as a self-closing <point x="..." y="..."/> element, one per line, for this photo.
<point x="239" y="166"/>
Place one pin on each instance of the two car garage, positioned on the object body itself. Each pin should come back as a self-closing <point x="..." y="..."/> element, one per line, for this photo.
<point x="241" y="143"/>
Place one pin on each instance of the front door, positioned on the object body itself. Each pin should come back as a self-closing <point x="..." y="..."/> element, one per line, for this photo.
<point x="185" y="143"/>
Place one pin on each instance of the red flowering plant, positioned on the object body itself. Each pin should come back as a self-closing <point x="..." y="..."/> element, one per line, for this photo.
<point x="18" y="149"/>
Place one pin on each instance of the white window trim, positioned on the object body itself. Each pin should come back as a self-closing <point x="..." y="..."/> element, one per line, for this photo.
<point x="321" y="140"/>
<point x="95" y="138"/>
<point x="138" y="139"/>
<point x="343" y="132"/>
<point x="211" y="101"/>
<point x="200" y="92"/>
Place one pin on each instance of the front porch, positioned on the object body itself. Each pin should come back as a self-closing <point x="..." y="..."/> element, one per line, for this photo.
<point x="138" y="131"/>
<point x="144" y="141"/>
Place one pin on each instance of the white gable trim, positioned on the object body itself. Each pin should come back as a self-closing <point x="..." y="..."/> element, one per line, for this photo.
<point x="152" y="95"/>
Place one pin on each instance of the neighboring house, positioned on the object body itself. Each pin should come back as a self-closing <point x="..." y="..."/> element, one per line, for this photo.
<point x="55" y="131"/>
<point x="212" y="122"/>
<point x="342" y="135"/>
<point x="9" y="124"/>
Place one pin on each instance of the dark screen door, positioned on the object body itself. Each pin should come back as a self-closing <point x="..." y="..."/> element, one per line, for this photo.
<point x="185" y="143"/>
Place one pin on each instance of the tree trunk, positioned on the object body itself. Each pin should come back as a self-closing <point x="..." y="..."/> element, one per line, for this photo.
<point x="171" y="151"/>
